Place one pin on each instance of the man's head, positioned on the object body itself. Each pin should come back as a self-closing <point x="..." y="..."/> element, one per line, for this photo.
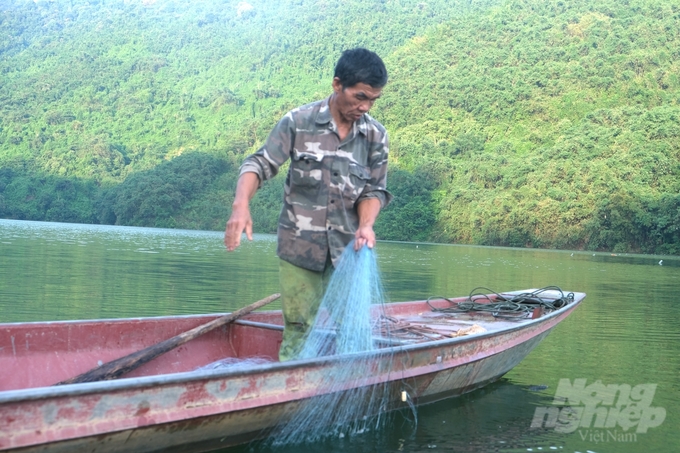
<point x="360" y="66"/>
<point x="360" y="76"/>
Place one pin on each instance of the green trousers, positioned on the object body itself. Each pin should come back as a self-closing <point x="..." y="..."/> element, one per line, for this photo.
<point x="301" y="294"/>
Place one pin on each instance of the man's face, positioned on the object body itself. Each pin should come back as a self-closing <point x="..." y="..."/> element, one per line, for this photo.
<point x="352" y="102"/>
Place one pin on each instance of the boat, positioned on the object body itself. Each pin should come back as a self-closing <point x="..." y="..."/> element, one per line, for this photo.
<point x="440" y="347"/>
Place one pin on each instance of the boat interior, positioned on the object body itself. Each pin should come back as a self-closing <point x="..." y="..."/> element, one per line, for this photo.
<point x="45" y="353"/>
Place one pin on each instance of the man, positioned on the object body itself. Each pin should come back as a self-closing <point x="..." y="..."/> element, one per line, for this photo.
<point x="334" y="190"/>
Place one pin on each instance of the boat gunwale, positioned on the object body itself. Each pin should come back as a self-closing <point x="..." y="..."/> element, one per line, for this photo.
<point x="123" y="384"/>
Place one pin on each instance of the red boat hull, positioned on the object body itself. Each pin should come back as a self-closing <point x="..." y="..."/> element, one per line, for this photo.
<point x="163" y="405"/>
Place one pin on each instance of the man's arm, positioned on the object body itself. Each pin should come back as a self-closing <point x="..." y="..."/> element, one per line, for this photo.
<point x="240" y="219"/>
<point x="368" y="210"/>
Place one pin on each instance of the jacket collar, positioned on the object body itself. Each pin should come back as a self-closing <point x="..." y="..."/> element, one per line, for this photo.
<point x="324" y="117"/>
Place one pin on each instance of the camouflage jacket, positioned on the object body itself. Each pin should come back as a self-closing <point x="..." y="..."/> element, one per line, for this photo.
<point x="326" y="180"/>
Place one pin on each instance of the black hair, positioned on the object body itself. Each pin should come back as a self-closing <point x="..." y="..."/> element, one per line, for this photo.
<point x="360" y="66"/>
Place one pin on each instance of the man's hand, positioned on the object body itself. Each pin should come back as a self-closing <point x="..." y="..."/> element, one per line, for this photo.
<point x="364" y="236"/>
<point x="240" y="219"/>
<point x="368" y="211"/>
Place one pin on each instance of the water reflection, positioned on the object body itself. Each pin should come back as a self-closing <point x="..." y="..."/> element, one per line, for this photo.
<point x="496" y="418"/>
<point x="61" y="271"/>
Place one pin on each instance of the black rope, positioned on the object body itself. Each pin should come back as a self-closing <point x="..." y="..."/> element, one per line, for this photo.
<point x="510" y="307"/>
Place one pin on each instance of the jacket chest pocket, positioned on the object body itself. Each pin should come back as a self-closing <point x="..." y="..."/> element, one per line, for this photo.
<point x="306" y="169"/>
<point x="358" y="177"/>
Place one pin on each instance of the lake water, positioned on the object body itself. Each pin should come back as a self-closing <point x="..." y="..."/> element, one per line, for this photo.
<point x="626" y="333"/>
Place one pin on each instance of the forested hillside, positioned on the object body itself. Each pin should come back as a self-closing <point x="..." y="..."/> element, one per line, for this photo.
<point x="539" y="123"/>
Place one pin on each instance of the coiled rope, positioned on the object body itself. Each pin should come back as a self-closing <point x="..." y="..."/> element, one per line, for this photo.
<point x="503" y="306"/>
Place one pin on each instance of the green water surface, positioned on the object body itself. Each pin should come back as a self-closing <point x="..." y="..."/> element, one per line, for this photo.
<point x="625" y="333"/>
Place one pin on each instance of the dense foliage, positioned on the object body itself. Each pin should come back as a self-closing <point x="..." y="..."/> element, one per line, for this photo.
<point x="539" y="123"/>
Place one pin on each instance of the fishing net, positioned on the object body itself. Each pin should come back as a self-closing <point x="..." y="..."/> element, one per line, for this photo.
<point x="234" y="363"/>
<point x="344" y="324"/>
<point x="345" y="328"/>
